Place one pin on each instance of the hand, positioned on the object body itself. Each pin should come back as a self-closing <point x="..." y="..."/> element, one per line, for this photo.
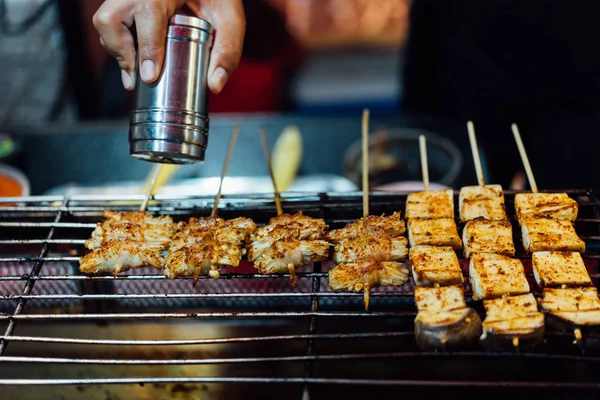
<point x="114" y="19"/>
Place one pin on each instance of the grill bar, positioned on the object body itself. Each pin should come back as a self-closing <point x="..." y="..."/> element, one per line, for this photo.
<point x="252" y="360"/>
<point x="319" y="381"/>
<point x="205" y="315"/>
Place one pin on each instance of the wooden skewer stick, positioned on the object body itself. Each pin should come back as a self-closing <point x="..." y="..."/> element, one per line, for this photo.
<point x="265" y="143"/>
<point x="475" y="151"/>
<point x="155" y="172"/>
<point x="524" y="158"/>
<point x="234" y="136"/>
<point x="365" y="161"/>
<point x="424" y="167"/>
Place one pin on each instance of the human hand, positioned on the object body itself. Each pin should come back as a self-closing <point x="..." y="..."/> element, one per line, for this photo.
<point x="114" y="20"/>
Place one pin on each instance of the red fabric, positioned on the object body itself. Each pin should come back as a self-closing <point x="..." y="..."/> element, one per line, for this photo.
<point x="253" y="87"/>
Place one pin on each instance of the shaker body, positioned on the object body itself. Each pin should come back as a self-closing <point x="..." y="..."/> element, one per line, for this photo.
<point x="169" y="123"/>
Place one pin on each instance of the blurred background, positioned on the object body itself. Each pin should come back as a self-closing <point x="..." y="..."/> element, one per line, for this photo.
<point x="308" y="65"/>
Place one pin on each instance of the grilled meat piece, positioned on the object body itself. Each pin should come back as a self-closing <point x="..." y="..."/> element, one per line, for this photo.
<point x="512" y="321"/>
<point x="485" y="236"/>
<point x="435" y="265"/>
<point x="136" y="225"/>
<point x="287" y="243"/>
<point x="126" y="240"/>
<point x="371" y="245"/>
<point x="557" y="268"/>
<point x="433" y="232"/>
<point x="545" y="205"/>
<point x="572" y="307"/>
<point x="392" y="225"/>
<point x="494" y="275"/>
<point x="431" y="204"/>
<point x="120" y="255"/>
<point x="482" y="202"/>
<point x="366" y="274"/>
<point x="309" y="228"/>
<point x="287" y="255"/>
<point x="233" y="231"/>
<point x="443" y="321"/>
<point x="544" y="234"/>
<point x="204" y="246"/>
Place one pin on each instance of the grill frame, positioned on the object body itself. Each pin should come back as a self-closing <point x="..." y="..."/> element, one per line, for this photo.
<point x="53" y="225"/>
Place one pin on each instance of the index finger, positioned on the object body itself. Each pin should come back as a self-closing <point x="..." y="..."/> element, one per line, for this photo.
<point x="151" y="19"/>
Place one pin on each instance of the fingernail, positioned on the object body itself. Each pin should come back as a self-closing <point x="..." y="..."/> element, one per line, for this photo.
<point x="148" y="70"/>
<point x="127" y="81"/>
<point x="218" y="79"/>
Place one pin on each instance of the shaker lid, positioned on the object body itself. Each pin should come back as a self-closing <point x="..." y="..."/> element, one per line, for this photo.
<point x="187" y="20"/>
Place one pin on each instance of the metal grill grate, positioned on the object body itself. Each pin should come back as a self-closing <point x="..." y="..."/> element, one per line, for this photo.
<point x="70" y="330"/>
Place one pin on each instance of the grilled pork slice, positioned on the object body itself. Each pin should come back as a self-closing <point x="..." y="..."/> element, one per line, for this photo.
<point x="371" y="245"/>
<point x="434" y="232"/>
<point x="309" y="228"/>
<point x="155" y="232"/>
<point x="545" y="205"/>
<point x="557" y="268"/>
<point x="233" y="231"/>
<point x="485" y="236"/>
<point x="444" y="322"/>
<point x="286" y="255"/>
<point x="481" y="202"/>
<point x="433" y="265"/>
<point x="126" y="240"/>
<point x="392" y="225"/>
<point x="431" y="204"/>
<point x="204" y="246"/>
<point x="120" y="255"/>
<point x="544" y="234"/>
<point x="366" y="274"/>
<point x="193" y="253"/>
<point x="572" y="307"/>
<point x="494" y="275"/>
<point x="512" y="321"/>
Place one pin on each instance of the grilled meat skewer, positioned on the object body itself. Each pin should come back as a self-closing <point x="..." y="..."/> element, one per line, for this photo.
<point x="366" y="274"/>
<point x="206" y="246"/>
<point x="288" y="242"/>
<point x="127" y="240"/>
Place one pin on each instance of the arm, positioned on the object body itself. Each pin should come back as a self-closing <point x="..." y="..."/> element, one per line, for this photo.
<point x="114" y="20"/>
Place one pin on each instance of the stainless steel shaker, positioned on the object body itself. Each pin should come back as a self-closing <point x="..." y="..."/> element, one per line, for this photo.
<point x="169" y="122"/>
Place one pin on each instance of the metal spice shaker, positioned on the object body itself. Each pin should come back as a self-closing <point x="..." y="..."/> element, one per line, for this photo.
<point x="169" y="122"/>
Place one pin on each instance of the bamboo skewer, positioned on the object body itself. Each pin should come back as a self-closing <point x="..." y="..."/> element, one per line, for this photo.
<point x="365" y="161"/>
<point x="215" y="210"/>
<point x="232" y="141"/>
<point x="154" y="172"/>
<point x="524" y="158"/>
<point x="424" y="167"/>
<point x="265" y="144"/>
<point x="475" y="151"/>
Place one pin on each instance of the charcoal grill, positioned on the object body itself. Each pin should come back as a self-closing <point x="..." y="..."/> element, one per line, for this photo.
<point x="140" y="335"/>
